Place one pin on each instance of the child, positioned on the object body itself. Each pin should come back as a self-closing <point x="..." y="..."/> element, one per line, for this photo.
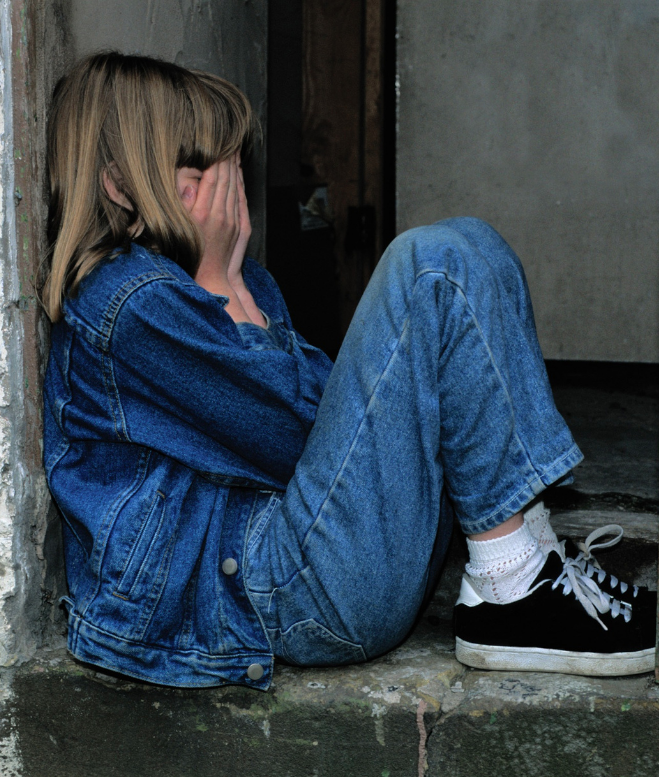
<point x="229" y="496"/>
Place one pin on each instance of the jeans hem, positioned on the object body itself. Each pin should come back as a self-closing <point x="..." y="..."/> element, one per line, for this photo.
<point x="527" y="493"/>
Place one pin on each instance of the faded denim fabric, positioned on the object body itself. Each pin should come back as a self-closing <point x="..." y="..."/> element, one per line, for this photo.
<point x="438" y="402"/>
<point x="176" y="440"/>
<point x="166" y="427"/>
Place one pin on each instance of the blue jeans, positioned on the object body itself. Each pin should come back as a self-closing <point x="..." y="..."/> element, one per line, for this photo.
<point x="438" y="405"/>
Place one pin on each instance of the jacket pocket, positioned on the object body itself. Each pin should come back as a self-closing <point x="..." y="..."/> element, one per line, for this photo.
<point x="145" y="553"/>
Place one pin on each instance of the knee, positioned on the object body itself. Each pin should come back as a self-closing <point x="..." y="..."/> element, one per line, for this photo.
<point x="487" y="244"/>
<point x="450" y="247"/>
<point x="467" y="252"/>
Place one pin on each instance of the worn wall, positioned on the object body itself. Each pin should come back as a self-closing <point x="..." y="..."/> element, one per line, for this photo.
<point x="226" y="37"/>
<point x="541" y="116"/>
<point x="8" y="333"/>
<point x="32" y="56"/>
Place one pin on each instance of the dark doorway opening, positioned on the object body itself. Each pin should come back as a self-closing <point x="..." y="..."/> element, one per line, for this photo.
<point x="331" y="156"/>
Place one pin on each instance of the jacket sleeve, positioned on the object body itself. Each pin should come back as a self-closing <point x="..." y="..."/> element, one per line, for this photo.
<point x="225" y="399"/>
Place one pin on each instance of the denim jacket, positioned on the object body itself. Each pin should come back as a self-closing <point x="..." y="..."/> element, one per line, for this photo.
<point x="169" y="430"/>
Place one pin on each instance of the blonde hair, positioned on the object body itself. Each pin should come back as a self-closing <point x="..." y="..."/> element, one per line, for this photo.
<point x="137" y="120"/>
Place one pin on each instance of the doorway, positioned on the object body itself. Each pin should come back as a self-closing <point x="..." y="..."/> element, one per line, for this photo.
<point x="331" y="156"/>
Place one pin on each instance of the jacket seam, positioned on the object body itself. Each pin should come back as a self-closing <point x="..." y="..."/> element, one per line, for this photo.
<point x="112" y="392"/>
<point x="121" y="296"/>
<point x="248" y="654"/>
<point x="155" y="594"/>
<point x="101" y="539"/>
<point x="158" y="501"/>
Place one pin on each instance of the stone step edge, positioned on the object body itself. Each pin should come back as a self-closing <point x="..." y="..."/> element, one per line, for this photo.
<point x="58" y="717"/>
<point x="402" y="679"/>
<point x="579" y="523"/>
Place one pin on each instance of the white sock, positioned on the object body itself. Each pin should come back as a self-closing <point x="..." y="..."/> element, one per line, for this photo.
<point x="503" y="569"/>
<point x="537" y="519"/>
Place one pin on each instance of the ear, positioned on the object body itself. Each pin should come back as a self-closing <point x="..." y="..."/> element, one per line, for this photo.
<point x="113" y="192"/>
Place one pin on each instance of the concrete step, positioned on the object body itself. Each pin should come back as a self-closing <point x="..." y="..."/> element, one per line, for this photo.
<point x="414" y="712"/>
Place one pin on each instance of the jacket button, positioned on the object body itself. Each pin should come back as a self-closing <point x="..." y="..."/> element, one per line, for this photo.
<point x="229" y="566"/>
<point x="255" y="671"/>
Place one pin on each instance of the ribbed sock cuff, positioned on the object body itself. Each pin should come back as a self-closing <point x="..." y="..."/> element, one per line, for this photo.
<point x="482" y="552"/>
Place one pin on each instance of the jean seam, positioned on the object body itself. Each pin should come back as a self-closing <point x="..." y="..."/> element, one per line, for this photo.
<point x="559" y="461"/>
<point x="247" y="548"/>
<point x="110" y="383"/>
<point x="329" y="631"/>
<point x="494" y="364"/>
<point x="357" y="432"/>
<point x="492" y="360"/>
<point x="98" y="551"/>
<point x="463" y="296"/>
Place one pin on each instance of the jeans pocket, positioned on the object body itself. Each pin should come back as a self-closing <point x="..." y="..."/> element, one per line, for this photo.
<point x="307" y="643"/>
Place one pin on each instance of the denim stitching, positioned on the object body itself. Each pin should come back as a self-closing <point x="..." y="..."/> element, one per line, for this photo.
<point x="124" y="292"/>
<point x="385" y="371"/>
<point x="356" y="435"/>
<point x="240" y="657"/>
<point x="490" y="355"/>
<point x="56" y="456"/>
<point x="152" y="542"/>
<point x="354" y="646"/>
<point x="106" y="366"/>
<point x="255" y="534"/>
<point x="158" y="585"/>
<point x="159" y="497"/>
<point x="477" y="527"/>
<point x="248" y="593"/>
<point x="100" y="543"/>
<point x="115" y="390"/>
<point x="559" y="461"/>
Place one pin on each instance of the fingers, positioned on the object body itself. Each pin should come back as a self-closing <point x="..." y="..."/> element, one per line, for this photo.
<point x="216" y="209"/>
<point x="232" y="191"/>
<point x="206" y="194"/>
<point x="210" y="202"/>
<point x="243" y="210"/>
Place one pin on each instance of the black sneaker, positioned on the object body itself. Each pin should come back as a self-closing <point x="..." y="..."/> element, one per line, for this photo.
<point x="582" y="553"/>
<point x="564" y="624"/>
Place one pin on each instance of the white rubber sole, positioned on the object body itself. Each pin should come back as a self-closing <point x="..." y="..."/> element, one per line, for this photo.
<point x="543" y="660"/>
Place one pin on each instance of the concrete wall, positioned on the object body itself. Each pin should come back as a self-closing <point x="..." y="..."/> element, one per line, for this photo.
<point x="226" y="37"/>
<point x="9" y="581"/>
<point x="541" y="116"/>
<point x="32" y="56"/>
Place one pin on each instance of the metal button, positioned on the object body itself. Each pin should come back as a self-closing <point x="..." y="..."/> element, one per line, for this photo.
<point x="229" y="566"/>
<point x="255" y="671"/>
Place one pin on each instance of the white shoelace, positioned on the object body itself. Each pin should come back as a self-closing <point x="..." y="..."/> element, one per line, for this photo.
<point x="575" y="580"/>
<point x="589" y="564"/>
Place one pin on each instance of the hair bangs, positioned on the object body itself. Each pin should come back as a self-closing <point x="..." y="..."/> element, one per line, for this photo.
<point x="217" y="123"/>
